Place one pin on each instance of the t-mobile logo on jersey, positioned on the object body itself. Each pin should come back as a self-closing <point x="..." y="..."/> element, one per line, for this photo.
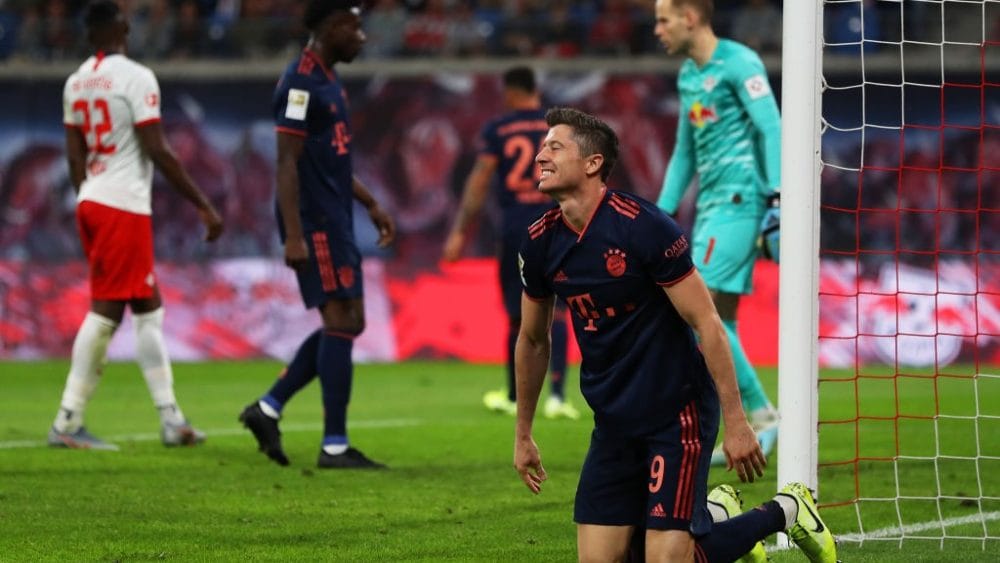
<point x="583" y="305"/>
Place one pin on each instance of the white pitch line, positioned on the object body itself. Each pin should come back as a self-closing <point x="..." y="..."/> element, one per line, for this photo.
<point x="896" y="531"/>
<point x="152" y="437"/>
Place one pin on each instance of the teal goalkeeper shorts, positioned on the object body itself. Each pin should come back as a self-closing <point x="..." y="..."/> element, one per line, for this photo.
<point x="724" y="250"/>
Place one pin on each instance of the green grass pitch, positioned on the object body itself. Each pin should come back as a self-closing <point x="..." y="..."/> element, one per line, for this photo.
<point x="450" y="494"/>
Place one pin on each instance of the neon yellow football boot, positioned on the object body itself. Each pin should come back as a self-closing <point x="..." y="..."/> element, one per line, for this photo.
<point x="731" y="501"/>
<point x="808" y="531"/>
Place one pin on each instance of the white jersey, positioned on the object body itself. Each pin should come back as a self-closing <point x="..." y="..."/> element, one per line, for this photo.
<point x="107" y="98"/>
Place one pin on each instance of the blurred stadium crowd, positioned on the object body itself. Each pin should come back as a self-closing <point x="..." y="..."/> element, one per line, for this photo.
<point x="43" y="30"/>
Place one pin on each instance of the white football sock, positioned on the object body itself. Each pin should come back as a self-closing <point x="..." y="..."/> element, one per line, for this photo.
<point x="335" y="449"/>
<point x="790" y="506"/>
<point x="718" y="512"/>
<point x="151" y="354"/>
<point x="269" y="410"/>
<point x="88" y="357"/>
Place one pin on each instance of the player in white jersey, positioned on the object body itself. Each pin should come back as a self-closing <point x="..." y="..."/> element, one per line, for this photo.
<point x="111" y="110"/>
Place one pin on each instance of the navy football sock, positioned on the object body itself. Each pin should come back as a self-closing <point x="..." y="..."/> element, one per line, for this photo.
<point x="557" y="364"/>
<point x="335" y="374"/>
<point x="513" y="328"/>
<point x="299" y="372"/>
<point x="731" y="539"/>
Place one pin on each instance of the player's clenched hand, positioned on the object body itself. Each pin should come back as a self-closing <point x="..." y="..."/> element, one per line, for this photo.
<point x="296" y="253"/>
<point x="528" y="464"/>
<point x="743" y="452"/>
<point x="212" y="221"/>
<point x="453" y="246"/>
<point x="385" y="225"/>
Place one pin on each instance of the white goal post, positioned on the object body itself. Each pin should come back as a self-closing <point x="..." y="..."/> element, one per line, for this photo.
<point x="890" y="267"/>
<point x="798" y="319"/>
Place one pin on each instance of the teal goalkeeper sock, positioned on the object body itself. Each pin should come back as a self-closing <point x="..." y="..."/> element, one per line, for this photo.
<point x="751" y="391"/>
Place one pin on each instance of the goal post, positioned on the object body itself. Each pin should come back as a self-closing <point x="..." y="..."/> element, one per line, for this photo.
<point x="889" y="339"/>
<point x="798" y="318"/>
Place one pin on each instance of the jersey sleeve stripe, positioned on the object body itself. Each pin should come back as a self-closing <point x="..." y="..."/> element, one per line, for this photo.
<point x="623" y="209"/>
<point x="290" y="131"/>
<point x="625" y="204"/>
<point x="544" y="223"/>
<point x="674" y="282"/>
<point x="306" y="65"/>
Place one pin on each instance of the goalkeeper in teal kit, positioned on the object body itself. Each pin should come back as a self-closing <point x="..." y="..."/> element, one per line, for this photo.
<point x="729" y="133"/>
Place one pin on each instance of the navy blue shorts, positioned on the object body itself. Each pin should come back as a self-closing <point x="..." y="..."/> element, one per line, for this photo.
<point x="333" y="272"/>
<point x="657" y="481"/>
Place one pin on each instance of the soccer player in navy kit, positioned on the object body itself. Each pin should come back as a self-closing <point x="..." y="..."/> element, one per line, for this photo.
<point x="624" y="269"/>
<point x="316" y="193"/>
<point x="508" y="145"/>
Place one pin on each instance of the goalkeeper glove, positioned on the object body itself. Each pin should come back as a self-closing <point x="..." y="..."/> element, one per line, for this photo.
<point x="770" y="228"/>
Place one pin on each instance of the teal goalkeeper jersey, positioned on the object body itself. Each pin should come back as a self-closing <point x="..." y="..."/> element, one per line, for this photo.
<point x="729" y="132"/>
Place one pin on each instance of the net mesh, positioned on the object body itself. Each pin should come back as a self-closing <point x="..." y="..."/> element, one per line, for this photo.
<point x="909" y="329"/>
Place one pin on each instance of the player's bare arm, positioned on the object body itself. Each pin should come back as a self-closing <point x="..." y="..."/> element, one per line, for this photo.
<point x="382" y="220"/>
<point x="290" y="148"/>
<point x="477" y="187"/>
<point x="531" y="363"/>
<point x="155" y="145"/>
<point x="693" y="302"/>
<point x="76" y="156"/>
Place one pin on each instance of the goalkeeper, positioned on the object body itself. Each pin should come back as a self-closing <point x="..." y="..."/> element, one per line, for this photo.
<point x="729" y="132"/>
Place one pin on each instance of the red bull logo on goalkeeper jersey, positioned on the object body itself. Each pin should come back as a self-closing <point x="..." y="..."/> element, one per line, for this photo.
<point x="701" y="115"/>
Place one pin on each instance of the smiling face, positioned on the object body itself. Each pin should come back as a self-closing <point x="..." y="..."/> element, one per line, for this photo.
<point x="561" y="164"/>
<point x="673" y="27"/>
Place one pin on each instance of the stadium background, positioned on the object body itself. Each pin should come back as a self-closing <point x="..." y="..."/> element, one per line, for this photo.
<point x="426" y="83"/>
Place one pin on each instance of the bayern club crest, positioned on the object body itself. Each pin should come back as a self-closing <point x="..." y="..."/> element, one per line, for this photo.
<point x="614" y="261"/>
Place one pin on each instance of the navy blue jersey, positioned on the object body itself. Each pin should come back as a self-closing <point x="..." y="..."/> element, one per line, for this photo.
<point x="310" y="101"/>
<point x="513" y="140"/>
<point x="641" y="362"/>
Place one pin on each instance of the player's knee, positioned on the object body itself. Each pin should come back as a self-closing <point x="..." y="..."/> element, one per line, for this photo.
<point x="604" y="557"/>
<point x="352" y="327"/>
<point x="346" y="317"/>
<point x="672" y="545"/>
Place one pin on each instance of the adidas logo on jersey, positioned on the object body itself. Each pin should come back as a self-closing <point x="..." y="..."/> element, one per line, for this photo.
<point x="658" y="511"/>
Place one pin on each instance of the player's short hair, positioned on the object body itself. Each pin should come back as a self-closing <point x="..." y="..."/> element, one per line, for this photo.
<point x="705" y="8"/>
<point x="101" y="13"/>
<point x="521" y="78"/>
<point x="593" y="135"/>
<point x="318" y="10"/>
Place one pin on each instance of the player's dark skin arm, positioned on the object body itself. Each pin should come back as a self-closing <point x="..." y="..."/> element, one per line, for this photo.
<point x="531" y="361"/>
<point x="155" y="146"/>
<point x="382" y="220"/>
<point x="290" y="148"/>
<point x="76" y="157"/>
<point x="477" y="186"/>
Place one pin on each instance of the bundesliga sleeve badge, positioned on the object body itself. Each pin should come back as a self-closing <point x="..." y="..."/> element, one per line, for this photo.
<point x="757" y="86"/>
<point x="298" y="102"/>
